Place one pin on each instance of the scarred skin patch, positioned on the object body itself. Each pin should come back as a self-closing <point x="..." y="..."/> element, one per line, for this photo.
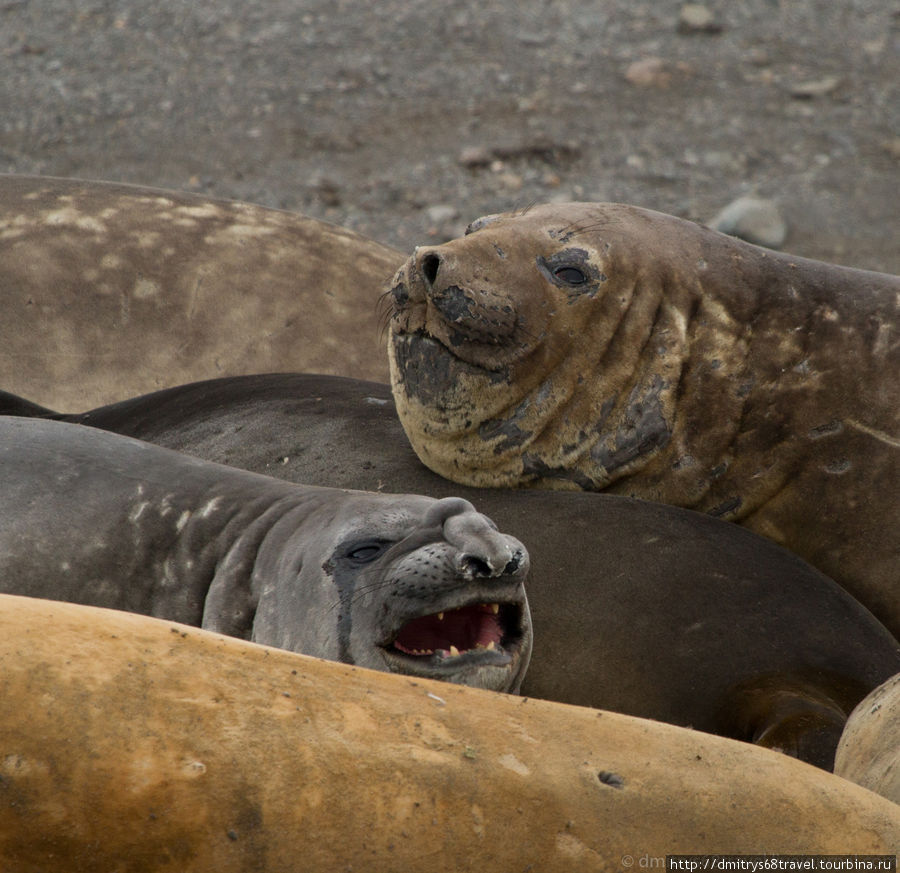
<point x="648" y="356"/>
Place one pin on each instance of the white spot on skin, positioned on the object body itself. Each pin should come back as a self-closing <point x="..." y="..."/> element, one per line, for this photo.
<point x="210" y="507"/>
<point x="872" y="432"/>
<point x="69" y="217"/>
<point x="227" y="235"/>
<point x="182" y="520"/>
<point x="111" y="262"/>
<point x="570" y="846"/>
<point x="205" y="211"/>
<point x="511" y="762"/>
<point x="882" y="344"/>
<point x="193" y="768"/>
<point x="147" y="240"/>
<point x="138" y="511"/>
<point x="144" y="288"/>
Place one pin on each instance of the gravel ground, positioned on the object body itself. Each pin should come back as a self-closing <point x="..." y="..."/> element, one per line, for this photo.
<point x="405" y="119"/>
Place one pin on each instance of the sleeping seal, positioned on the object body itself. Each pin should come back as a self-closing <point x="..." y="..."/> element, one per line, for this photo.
<point x="113" y="290"/>
<point x="604" y="347"/>
<point x="132" y="744"/>
<point x="399" y="583"/>
<point x="638" y="607"/>
<point x="869" y="750"/>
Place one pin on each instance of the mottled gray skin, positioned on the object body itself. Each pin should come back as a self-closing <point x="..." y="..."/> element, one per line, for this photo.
<point x="114" y="290"/>
<point x="869" y="750"/>
<point x="95" y="518"/>
<point x="638" y="607"/>
<point x="604" y="347"/>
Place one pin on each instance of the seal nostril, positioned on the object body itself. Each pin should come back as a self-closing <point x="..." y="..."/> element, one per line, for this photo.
<point x="472" y="566"/>
<point x="429" y="267"/>
<point x="513" y="565"/>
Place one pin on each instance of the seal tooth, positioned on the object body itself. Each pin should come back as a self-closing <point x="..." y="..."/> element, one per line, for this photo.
<point x="440" y="616"/>
<point x="454" y="652"/>
<point x="490" y="646"/>
<point x="495" y="608"/>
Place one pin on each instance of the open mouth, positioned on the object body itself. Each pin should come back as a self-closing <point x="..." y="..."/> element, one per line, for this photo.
<point x="485" y="631"/>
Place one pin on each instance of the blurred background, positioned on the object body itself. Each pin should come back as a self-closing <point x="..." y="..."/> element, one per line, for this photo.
<point x="406" y="119"/>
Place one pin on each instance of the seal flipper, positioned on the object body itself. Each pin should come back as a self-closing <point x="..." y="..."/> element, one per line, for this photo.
<point x="800" y="716"/>
<point x="12" y="404"/>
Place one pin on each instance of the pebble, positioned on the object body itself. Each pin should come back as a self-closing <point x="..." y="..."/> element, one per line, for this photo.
<point x="649" y="73"/>
<point x="753" y="219"/>
<point x="892" y="147"/>
<point x="817" y="88"/>
<point x="697" y="18"/>
<point x="441" y="213"/>
<point x="475" y="156"/>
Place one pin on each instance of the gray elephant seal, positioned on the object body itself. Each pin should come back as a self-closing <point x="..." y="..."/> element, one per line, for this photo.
<point x="114" y="290"/>
<point x="869" y="749"/>
<point x="638" y="607"/>
<point x="605" y="347"/>
<point x="399" y="583"/>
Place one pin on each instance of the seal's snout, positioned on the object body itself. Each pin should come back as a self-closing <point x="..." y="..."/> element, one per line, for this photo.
<point x="482" y="551"/>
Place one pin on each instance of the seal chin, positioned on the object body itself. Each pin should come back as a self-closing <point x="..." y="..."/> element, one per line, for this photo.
<point x="433" y="374"/>
<point x="481" y="643"/>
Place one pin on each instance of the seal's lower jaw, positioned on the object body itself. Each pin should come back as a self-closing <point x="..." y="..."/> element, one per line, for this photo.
<point x="481" y="645"/>
<point x="429" y="367"/>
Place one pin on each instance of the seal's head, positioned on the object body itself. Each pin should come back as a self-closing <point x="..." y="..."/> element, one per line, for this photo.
<point x="405" y="584"/>
<point x="541" y="346"/>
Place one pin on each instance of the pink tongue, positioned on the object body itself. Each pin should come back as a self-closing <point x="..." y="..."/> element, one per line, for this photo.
<point x="463" y="628"/>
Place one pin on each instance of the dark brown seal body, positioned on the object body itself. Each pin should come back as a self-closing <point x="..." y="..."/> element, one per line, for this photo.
<point x="606" y="347"/>
<point x="114" y="290"/>
<point x="638" y="607"/>
<point x="401" y="583"/>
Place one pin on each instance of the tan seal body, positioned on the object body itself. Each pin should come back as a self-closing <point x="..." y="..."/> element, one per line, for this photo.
<point x="869" y="750"/>
<point x="606" y="347"/>
<point x="112" y="290"/>
<point x="135" y="744"/>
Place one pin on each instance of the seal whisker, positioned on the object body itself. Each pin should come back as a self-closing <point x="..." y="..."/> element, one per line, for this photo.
<point x="384" y="312"/>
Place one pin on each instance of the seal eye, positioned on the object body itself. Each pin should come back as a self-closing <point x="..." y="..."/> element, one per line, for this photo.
<point x="364" y="553"/>
<point x="570" y="275"/>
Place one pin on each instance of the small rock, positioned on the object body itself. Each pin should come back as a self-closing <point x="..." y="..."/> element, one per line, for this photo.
<point x="753" y="219"/>
<point x="649" y="73"/>
<point x="817" y="88"/>
<point x="510" y="181"/>
<point x="697" y="18"/>
<point x="441" y="213"/>
<point x="475" y="156"/>
<point x="892" y="147"/>
<point x="327" y="191"/>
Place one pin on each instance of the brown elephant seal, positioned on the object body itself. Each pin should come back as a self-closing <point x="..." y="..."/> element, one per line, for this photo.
<point x="133" y="744"/>
<point x="869" y="750"/>
<point x="605" y="347"/>
<point x="392" y="582"/>
<point x="638" y="607"/>
<point x="114" y="290"/>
